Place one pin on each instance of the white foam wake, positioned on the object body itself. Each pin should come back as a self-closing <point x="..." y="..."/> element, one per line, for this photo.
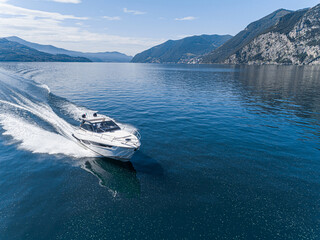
<point x="23" y="103"/>
<point x="75" y="111"/>
<point x="32" y="137"/>
<point x="37" y="140"/>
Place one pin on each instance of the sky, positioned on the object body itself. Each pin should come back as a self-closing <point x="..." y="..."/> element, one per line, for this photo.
<point x="129" y="26"/>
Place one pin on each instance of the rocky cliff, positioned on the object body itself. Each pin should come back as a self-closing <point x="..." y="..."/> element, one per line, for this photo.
<point x="295" y="39"/>
<point x="244" y="37"/>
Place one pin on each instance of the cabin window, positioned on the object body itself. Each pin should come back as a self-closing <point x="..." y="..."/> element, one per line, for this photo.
<point x="109" y="126"/>
<point x="101" y="127"/>
<point x="105" y="126"/>
<point x="87" y="127"/>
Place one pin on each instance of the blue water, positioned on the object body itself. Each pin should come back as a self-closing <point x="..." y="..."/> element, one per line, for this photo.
<point x="227" y="152"/>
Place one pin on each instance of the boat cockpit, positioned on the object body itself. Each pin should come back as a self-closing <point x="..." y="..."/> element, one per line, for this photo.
<point x="99" y="126"/>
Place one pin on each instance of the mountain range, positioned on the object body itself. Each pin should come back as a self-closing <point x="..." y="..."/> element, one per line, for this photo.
<point x="282" y="37"/>
<point x="181" y="51"/>
<point x="49" y="49"/>
<point x="244" y="37"/>
<point x="295" y="39"/>
<point x="13" y="51"/>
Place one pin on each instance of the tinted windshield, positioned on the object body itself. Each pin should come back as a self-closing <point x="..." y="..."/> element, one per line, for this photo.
<point x="105" y="126"/>
<point x="100" y="127"/>
<point x="87" y="127"/>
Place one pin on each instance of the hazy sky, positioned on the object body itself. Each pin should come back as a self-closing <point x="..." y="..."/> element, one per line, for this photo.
<point x="129" y="26"/>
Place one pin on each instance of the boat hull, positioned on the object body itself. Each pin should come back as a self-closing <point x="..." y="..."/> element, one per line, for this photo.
<point x="117" y="153"/>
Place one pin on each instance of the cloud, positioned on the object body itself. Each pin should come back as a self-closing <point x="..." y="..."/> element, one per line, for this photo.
<point x="134" y="12"/>
<point x="8" y="9"/>
<point x="116" y="18"/>
<point x="68" y="1"/>
<point x="190" y="18"/>
<point x="64" y="31"/>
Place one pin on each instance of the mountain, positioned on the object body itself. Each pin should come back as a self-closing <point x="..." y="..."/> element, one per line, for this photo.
<point x="95" y="57"/>
<point x="13" y="51"/>
<point x="294" y="40"/>
<point x="244" y="37"/>
<point x="180" y="51"/>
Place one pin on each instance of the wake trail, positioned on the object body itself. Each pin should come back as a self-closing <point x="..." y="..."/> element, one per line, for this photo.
<point x="27" y="117"/>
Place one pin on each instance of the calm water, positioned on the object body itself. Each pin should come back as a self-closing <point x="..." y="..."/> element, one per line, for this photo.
<point x="227" y="152"/>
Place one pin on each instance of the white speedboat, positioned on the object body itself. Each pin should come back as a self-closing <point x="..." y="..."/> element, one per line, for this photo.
<point x="107" y="138"/>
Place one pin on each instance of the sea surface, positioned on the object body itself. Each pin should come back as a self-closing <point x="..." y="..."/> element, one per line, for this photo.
<point x="228" y="152"/>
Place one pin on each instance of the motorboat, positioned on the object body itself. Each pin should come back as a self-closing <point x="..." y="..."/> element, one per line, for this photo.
<point x="107" y="138"/>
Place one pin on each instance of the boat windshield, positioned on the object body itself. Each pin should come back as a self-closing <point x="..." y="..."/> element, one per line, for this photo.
<point x="105" y="126"/>
<point x="87" y="127"/>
